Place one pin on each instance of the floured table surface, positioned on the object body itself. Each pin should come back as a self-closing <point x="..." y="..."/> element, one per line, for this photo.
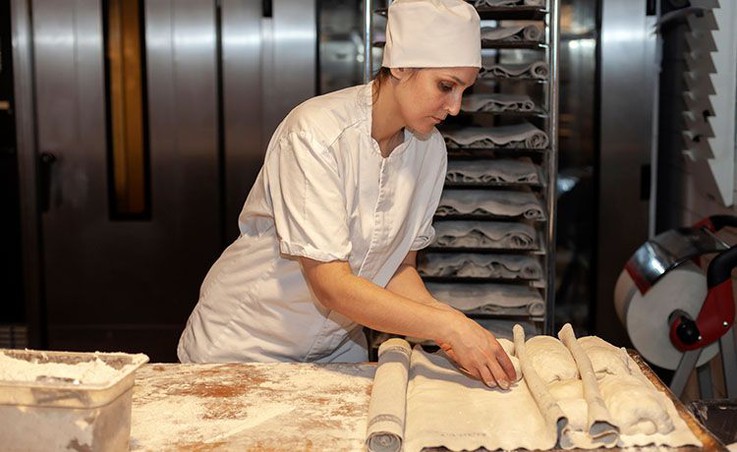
<point x="270" y="407"/>
<point x="251" y="407"/>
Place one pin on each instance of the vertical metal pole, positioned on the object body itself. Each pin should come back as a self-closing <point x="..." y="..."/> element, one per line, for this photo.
<point x="703" y="375"/>
<point x="23" y="77"/>
<point x="627" y="58"/>
<point x="553" y="40"/>
<point x="368" y="13"/>
<point x="728" y="344"/>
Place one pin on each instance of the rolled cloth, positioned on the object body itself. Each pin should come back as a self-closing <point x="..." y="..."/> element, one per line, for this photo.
<point x="387" y="408"/>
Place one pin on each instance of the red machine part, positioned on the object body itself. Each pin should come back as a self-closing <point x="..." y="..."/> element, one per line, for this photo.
<point x="715" y="318"/>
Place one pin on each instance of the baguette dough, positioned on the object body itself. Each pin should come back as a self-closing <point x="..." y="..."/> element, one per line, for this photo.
<point x="551" y="359"/>
<point x="606" y="359"/>
<point x="635" y="407"/>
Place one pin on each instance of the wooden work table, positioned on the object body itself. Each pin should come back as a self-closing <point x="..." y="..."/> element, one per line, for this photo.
<point x="268" y="407"/>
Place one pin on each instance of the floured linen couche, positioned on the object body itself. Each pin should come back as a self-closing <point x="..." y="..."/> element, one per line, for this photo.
<point x="571" y="394"/>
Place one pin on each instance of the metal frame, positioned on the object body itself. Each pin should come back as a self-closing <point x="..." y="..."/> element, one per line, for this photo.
<point x="368" y="23"/>
<point x="27" y="168"/>
<point x="551" y="159"/>
<point x="628" y="62"/>
<point x="728" y="353"/>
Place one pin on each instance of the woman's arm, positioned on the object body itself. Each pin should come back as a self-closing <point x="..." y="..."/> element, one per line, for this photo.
<point x="473" y="347"/>
<point x="408" y="283"/>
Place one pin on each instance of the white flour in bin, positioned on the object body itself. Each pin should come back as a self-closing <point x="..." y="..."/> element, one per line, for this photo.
<point x="89" y="372"/>
<point x="66" y="400"/>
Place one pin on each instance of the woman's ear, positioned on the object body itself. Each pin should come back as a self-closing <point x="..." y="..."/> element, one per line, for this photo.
<point x="398" y="72"/>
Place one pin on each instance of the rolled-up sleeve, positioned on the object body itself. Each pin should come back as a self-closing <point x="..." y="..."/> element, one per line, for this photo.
<point x="308" y="200"/>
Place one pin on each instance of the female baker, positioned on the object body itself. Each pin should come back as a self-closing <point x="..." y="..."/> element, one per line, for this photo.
<point x="345" y="198"/>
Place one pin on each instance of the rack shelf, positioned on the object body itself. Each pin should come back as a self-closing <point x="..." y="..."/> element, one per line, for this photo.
<point x="535" y="74"/>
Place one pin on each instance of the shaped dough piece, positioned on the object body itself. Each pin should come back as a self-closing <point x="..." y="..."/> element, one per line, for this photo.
<point x="634" y="407"/>
<point x="606" y="359"/>
<point x="551" y="359"/>
<point x="567" y="389"/>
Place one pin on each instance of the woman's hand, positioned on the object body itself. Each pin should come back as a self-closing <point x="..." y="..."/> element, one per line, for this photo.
<point x="477" y="352"/>
<point x="407" y="308"/>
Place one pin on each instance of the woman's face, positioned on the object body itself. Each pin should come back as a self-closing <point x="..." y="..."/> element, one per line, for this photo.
<point x="427" y="96"/>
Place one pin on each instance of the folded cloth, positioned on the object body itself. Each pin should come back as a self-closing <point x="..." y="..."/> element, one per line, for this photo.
<point x="511" y="33"/>
<point x="522" y="135"/>
<point x="497" y="102"/>
<point x="490" y="298"/>
<point x="536" y="70"/>
<point x="478" y="3"/>
<point x="516" y="171"/>
<point x="486" y="234"/>
<point x="467" y="265"/>
<point x="601" y="429"/>
<point x="509" y="204"/>
<point x="550" y="409"/>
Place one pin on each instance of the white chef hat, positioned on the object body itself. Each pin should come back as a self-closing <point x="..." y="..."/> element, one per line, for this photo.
<point x="432" y="33"/>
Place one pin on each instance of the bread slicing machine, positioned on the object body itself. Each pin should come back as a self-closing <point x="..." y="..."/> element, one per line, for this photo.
<point x="686" y="327"/>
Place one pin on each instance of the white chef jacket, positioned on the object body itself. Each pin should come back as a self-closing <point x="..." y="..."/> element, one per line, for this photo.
<point x="324" y="192"/>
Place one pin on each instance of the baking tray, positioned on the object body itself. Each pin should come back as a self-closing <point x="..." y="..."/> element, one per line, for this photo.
<point x="719" y="416"/>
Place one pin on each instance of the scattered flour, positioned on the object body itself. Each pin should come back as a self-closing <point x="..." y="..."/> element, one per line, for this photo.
<point x="250" y="406"/>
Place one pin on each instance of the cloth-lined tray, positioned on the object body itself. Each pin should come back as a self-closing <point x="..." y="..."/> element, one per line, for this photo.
<point x="538" y="70"/>
<point x="485" y="235"/>
<point x="499" y="171"/>
<point x="483" y="3"/>
<point x="486" y="266"/>
<point x="490" y="203"/>
<point x="522" y="135"/>
<point x="445" y="408"/>
<point x="492" y="298"/>
<point x="497" y="103"/>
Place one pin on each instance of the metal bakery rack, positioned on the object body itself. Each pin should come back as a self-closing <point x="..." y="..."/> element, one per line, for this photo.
<point x="494" y="253"/>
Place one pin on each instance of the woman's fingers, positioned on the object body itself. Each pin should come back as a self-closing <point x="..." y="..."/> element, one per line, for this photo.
<point x="486" y="375"/>
<point x="479" y="369"/>
<point x="477" y="353"/>
<point x="500" y="376"/>
<point x="506" y="364"/>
